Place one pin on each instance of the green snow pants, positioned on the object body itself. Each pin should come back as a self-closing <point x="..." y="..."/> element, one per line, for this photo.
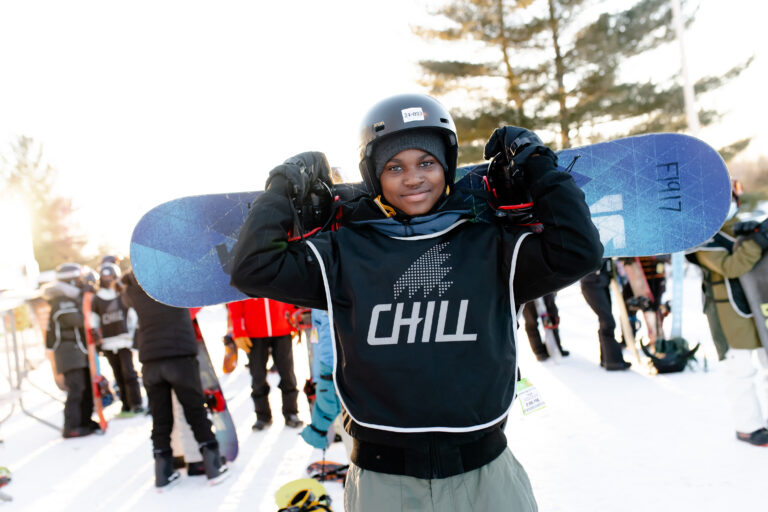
<point x="502" y="485"/>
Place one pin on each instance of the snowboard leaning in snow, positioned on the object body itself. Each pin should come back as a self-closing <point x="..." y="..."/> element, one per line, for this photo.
<point x="649" y="194"/>
<point x="223" y="426"/>
<point x="98" y="389"/>
<point x="549" y="335"/>
<point x="5" y="479"/>
<point x="755" y="285"/>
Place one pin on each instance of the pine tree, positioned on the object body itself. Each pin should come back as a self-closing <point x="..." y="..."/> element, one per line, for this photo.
<point x="560" y="67"/>
<point x="27" y="175"/>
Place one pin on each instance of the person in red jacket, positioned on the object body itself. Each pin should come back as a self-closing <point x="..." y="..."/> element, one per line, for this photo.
<point x="259" y="325"/>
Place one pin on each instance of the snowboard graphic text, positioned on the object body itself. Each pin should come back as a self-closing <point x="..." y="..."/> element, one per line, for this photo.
<point x="668" y="176"/>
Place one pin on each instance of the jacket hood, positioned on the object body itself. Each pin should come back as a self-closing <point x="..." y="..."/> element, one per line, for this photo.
<point x="59" y="289"/>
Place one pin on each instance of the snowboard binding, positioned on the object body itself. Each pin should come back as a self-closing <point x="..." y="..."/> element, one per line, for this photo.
<point x="328" y="471"/>
<point x="303" y="495"/>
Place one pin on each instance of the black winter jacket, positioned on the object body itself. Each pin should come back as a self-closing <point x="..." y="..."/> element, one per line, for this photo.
<point x="424" y="326"/>
<point x="163" y="331"/>
<point x="65" y="334"/>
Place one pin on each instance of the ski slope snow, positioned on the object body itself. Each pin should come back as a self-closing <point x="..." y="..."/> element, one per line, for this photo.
<point x="608" y="441"/>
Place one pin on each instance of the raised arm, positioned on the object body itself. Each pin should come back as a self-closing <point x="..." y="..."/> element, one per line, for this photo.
<point x="265" y="262"/>
<point x="568" y="247"/>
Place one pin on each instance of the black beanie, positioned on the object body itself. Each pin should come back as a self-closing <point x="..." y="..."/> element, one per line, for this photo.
<point x="425" y="140"/>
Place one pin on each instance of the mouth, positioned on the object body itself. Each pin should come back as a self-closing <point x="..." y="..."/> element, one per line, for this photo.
<point x="418" y="195"/>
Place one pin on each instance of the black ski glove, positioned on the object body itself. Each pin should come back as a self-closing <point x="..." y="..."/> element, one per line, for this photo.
<point x="757" y="231"/>
<point x="761" y="237"/>
<point x="299" y="174"/>
<point x="748" y="227"/>
<point x="524" y="149"/>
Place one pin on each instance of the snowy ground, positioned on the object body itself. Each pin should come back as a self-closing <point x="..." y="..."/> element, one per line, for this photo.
<point x="627" y="441"/>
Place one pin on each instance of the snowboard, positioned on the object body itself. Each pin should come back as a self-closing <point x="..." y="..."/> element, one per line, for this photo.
<point x="328" y="471"/>
<point x="755" y="285"/>
<point x="641" y="292"/>
<point x="97" y="386"/>
<point x="303" y="495"/>
<point x="5" y="479"/>
<point x="549" y="336"/>
<point x="618" y="298"/>
<point x="648" y="194"/>
<point x="223" y="426"/>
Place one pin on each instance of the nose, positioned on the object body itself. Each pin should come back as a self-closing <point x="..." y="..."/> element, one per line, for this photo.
<point x="414" y="177"/>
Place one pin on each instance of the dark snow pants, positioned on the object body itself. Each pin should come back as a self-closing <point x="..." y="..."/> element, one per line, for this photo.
<point x="78" y="406"/>
<point x="282" y="355"/>
<point x="531" y="317"/>
<point x="182" y="375"/>
<point x="126" y="377"/>
<point x="598" y="296"/>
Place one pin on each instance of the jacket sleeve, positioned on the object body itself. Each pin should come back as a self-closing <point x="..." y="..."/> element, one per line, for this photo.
<point x="568" y="247"/>
<point x="745" y="255"/>
<point x="236" y="316"/>
<point x="266" y="264"/>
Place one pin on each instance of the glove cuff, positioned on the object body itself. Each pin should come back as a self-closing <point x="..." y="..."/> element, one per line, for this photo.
<point x="538" y="166"/>
<point x="279" y="184"/>
<point x="761" y="240"/>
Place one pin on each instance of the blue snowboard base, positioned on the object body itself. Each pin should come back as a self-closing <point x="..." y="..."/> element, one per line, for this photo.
<point x="649" y="194"/>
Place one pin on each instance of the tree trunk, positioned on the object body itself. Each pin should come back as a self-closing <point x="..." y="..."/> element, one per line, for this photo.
<point x="565" y="139"/>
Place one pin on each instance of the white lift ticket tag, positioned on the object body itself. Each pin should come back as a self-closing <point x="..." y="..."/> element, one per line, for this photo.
<point x="412" y="114"/>
<point x="530" y="399"/>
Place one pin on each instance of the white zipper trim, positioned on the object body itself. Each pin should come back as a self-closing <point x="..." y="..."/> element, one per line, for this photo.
<point x="424" y="429"/>
<point x="432" y="235"/>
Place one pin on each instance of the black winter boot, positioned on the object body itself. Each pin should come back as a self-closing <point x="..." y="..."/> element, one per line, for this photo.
<point x="758" y="437"/>
<point x="611" y="356"/>
<point x="165" y="475"/>
<point x="215" y="467"/>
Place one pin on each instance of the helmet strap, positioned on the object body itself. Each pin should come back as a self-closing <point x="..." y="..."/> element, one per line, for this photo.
<point x="387" y="210"/>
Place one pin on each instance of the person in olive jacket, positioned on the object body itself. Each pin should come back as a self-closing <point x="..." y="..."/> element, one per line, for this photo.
<point x="731" y="253"/>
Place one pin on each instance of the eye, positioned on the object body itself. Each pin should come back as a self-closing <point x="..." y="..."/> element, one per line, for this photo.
<point x="429" y="163"/>
<point x="393" y="168"/>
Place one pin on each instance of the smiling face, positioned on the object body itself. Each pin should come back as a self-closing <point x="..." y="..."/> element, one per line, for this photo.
<point x="412" y="181"/>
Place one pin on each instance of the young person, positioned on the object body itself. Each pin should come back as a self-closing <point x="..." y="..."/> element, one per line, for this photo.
<point x="261" y="326"/>
<point x="111" y="317"/>
<point x="595" y="288"/>
<point x="422" y="302"/>
<point x="731" y="253"/>
<point x="168" y="354"/>
<point x="65" y="338"/>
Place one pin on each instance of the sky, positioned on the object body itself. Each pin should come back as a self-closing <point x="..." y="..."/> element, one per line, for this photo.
<point x="137" y="103"/>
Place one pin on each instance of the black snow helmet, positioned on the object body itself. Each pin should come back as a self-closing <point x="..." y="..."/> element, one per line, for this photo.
<point x="109" y="270"/>
<point x="405" y="112"/>
<point x="71" y="273"/>
<point x="110" y="259"/>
